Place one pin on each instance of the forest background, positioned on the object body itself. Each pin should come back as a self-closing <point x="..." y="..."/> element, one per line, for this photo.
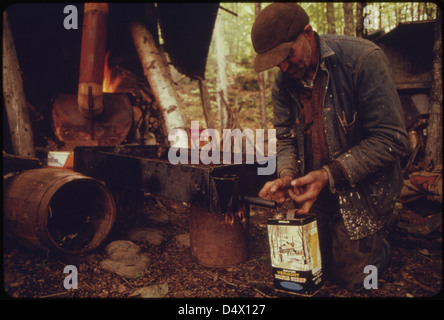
<point x="230" y="59"/>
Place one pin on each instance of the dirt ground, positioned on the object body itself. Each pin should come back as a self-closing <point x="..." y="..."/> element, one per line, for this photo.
<point x="414" y="271"/>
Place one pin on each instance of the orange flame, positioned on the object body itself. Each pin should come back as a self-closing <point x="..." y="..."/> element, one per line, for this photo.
<point x="110" y="82"/>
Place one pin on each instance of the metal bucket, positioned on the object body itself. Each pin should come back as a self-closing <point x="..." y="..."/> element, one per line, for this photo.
<point x="219" y="238"/>
<point x="57" y="210"/>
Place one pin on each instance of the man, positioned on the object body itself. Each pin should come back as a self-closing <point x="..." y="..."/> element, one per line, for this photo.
<point x="340" y="131"/>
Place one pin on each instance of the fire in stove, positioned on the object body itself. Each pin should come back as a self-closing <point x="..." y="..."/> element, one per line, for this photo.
<point x="111" y="78"/>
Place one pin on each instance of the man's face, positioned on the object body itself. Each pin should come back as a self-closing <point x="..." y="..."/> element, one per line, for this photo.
<point x="298" y="61"/>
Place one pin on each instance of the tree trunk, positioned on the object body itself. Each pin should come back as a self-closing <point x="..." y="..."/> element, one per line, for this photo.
<point x="206" y="103"/>
<point x="22" y="137"/>
<point x="348" y="19"/>
<point x="221" y="73"/>
<point x="433" y="154"/>
<point x="419" y="11"/>
<point x="331" y="28"/>
<point x="158" y="75"/>
<point x="379" y="15"/>
<point x="428" y="11"/>
<point x="359" y="20"/>
<point x="389" y="21"/>
<point x="261" y="83"/>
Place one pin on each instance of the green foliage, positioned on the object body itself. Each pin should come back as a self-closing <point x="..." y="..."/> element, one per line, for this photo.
<point x="239" y="53"/>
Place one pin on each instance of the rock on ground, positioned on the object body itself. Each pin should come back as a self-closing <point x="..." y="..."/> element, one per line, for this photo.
<point x="124" y="259"/>
<point x="154" y="291"/>
<point x="148" y="235"/>
<point x="183" y="239"/>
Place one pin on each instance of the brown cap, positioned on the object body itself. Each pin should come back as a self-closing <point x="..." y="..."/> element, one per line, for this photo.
<point x="273" y="32"/>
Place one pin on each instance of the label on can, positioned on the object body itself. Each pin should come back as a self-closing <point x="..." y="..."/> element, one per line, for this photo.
<point x="295" y="255"/>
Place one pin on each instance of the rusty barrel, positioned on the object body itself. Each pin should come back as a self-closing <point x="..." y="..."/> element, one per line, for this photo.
<point x="220" y="238"/>
<point x="58" y="210"/>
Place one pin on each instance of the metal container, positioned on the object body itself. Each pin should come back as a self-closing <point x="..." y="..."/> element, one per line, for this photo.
<point x="219" y="239"/>
<point x="295" y="254"/>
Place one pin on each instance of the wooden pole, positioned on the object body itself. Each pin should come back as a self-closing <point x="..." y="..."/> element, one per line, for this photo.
<point x="22" y="137"/>
<point x="158" y="75"/>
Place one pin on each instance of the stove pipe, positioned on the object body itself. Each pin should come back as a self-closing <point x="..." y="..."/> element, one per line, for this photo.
<point x="92" y="59"/>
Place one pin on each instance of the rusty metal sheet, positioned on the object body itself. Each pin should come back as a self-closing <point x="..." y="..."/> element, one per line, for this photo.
<point x="147" y="168"/>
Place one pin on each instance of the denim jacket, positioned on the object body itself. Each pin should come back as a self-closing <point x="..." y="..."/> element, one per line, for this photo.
<point x="368" y="142"/>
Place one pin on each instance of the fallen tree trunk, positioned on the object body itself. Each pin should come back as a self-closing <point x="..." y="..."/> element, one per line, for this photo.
<point x="22" y="137"/>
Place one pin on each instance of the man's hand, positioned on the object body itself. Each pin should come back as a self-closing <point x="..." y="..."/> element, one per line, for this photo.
<point x="276" y="190"/>
<point x="307" y="188"/>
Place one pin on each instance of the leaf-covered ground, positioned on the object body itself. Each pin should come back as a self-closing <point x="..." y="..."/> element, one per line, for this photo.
<point x="414" y="271"/>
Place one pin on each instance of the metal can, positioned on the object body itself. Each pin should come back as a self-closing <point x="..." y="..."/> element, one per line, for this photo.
<point x="295" y="254"/>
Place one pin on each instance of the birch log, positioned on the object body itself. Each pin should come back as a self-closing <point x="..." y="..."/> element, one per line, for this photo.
<point x="22" y="137"/>
<point x="158" y="75"/>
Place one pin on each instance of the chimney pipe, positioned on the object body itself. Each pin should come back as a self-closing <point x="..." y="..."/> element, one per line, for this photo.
<point x="92" y="59"/>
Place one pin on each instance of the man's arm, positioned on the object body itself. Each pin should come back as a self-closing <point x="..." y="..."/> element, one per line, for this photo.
<point x="384" y="138"/>
<point x="286" y="152"/>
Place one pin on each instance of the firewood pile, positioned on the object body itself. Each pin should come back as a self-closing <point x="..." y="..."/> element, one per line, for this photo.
<point x="148" y="125"/>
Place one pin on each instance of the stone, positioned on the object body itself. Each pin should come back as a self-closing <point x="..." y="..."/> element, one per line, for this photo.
<point x="121" y="249"/>
<point x="183" y="239"/>
<point x="148" y="235"/>
<point x="154" y="291"/>
<point x="124" y="258"/>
